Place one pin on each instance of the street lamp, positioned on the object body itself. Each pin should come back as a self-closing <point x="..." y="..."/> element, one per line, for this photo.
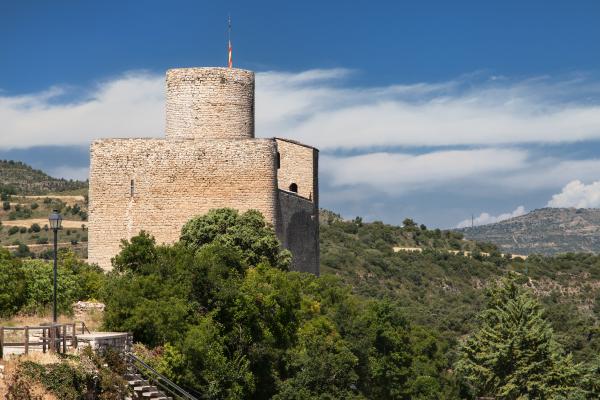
<point x="55" y="222"/>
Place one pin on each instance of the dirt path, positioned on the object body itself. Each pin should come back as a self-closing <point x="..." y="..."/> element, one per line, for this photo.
<point x="70" y="200"/>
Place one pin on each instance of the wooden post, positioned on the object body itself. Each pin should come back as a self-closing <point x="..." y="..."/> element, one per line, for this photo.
<point x="26" y="340"/>
<point x="43" y="340"/>
<point x="1" y="342"/>
<point x="64" y="338"/>
<point x="52" y="346"/>
<point x="74" y="338"/>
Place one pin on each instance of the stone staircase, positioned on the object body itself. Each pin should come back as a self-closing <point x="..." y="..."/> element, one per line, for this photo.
<point x="142" y="389"/>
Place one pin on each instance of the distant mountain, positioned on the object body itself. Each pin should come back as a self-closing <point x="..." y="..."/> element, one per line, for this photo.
<point x="19" y="178"/>
<point x="545" y="231"/>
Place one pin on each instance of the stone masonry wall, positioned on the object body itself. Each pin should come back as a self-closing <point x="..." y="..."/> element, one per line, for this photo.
<point x="300" y="231"/>
<point x="299" y="212"/>
<point x="298" y="165"/>
<point x="205" y="103"/>
<point x="173" y="181"/>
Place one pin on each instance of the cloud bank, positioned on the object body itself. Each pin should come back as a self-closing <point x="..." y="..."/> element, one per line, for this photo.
<point x="320" y="107"/>
<point x="577" y="194"/>
<point x="485" y="218"/>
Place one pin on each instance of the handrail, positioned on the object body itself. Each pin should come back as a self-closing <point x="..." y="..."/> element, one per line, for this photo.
<point x="161" y="380"/>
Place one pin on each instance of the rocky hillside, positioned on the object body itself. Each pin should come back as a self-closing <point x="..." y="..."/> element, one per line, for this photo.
<point x="19" y="178"/>
<point x="545" y="231"/>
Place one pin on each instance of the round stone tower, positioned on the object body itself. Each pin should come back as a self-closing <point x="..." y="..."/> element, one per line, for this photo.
<point x="210" y="103"/>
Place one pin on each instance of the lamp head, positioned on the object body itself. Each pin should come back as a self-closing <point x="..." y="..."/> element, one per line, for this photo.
<point x="55" y="220"/>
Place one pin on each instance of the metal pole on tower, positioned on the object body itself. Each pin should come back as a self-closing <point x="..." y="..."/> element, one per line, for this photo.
<point x="229" y="49"/>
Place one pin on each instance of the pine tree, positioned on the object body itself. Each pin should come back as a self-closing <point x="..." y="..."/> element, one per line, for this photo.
<point x="514" y="354"/>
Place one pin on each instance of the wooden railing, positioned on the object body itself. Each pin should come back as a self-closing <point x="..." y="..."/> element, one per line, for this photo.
<point x="51" y="337"/>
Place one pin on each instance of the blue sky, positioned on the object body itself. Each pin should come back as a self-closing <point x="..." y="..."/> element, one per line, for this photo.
<point x="431" y="109"/>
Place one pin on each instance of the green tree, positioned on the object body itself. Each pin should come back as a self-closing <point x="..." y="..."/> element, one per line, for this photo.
<point x="321" y="364"/>
<point x="13" y="291"/>
<point x="248" y="232"/>
<point x="514" y="354"/>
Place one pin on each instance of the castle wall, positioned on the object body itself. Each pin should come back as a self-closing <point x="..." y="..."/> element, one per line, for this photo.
<point x="205" y="103"/>
<point x="300" y="231"/>
<point x="173" y="181"/>
<point x="299" y="212"/>
<point x="298" y="164"/>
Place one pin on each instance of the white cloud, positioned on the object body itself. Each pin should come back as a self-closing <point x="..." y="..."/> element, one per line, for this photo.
<point x="398" y="173"/>
<point x="129" y="106"/>
<point x="577" y="194"/>
<point x="485" y="218"/>
<point x="458" y="112"/>
<point x="316" y="107"/>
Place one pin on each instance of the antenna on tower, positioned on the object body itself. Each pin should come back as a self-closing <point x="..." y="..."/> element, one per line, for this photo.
<point x="472" y="220"/>
<point x="229" y="49"/>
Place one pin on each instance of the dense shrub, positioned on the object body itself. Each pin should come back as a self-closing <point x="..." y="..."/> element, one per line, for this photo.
<point x="27" y="284"/>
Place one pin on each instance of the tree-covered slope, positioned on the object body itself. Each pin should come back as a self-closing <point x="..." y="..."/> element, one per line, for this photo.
<point x="445" y="291"/>
<point x="544" y="231"/>
<point x="19" y="178"/>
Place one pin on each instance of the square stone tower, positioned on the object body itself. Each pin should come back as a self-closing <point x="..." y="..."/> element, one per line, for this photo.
<point x="208" y="159"/>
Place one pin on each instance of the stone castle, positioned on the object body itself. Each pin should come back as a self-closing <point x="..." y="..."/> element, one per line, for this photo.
<point x="208" y="159"/>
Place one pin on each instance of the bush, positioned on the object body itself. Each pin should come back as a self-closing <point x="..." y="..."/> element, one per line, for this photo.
<point x="34" y="205"/>
<point x="23" y="251"/>
<point x="22" y="229"/>
<point x="35" y="228"/>
<point x="6" y="205"/>
<point x="13" y="229"/>
<point x="13" y="291"/>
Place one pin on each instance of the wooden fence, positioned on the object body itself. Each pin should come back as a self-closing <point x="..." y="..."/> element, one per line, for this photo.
<point x="51" y="337"/>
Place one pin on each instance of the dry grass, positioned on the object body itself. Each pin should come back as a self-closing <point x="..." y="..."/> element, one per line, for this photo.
<point x="93" y="319"/>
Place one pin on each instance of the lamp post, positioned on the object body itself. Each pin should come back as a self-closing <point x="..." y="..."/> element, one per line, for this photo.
<point x="55" y="220"/>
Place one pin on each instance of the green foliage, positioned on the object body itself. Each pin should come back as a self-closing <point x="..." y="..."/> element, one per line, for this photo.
<point x="232" y="324"/>
<point x="248" y="232"/>
<point x="139" y="252"/>
<point x="13" y="229"/>
<point x="13" y="292"/>
<point x="6" y="205"/>
<point x="27" y="284"/>
<point x="23" y="251"/>
<point x="514" y="353"/>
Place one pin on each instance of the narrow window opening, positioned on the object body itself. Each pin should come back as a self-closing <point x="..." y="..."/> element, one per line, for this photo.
<point x="132" y="188"/>
<point x="294" y="188"/>
<point x="278" y="160"/>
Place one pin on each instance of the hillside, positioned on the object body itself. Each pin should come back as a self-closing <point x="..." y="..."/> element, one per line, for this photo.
<point x="545" y="231"/>
<point x="445" y="292"/>
<point x="19" y="178"/>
